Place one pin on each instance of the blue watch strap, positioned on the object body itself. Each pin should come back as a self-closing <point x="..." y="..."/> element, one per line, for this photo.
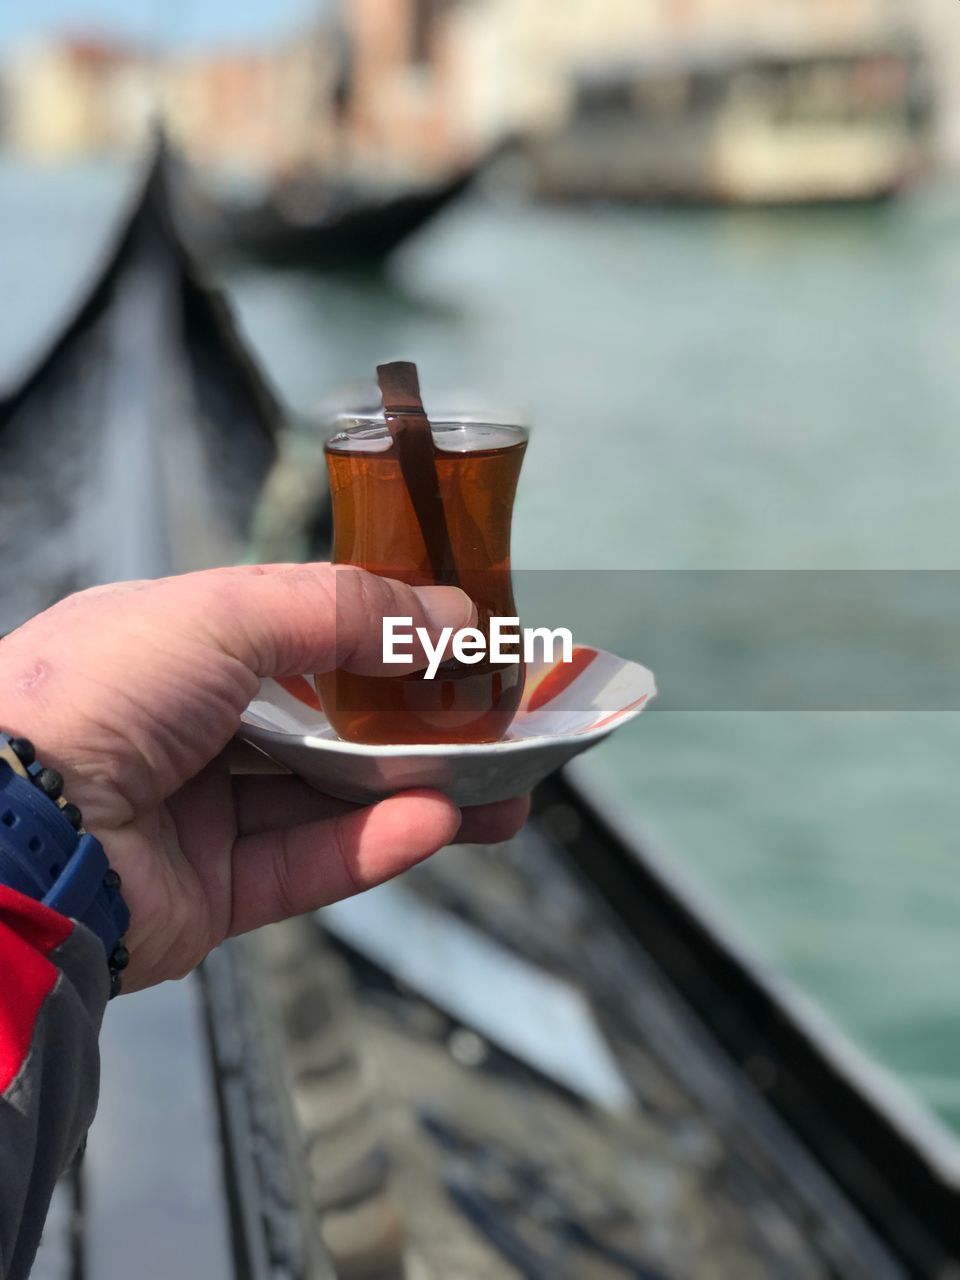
<point x="46" y="854"/>
<point x="85" y="890"/>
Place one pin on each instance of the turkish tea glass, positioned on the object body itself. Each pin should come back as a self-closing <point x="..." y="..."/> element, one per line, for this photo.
<point x="376" y="527"/>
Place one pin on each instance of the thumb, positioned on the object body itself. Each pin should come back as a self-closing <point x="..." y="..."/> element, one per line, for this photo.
<point x="290" y="619"/>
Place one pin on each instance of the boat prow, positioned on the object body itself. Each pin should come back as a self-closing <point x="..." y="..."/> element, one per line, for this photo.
<point x="140" y="439"/>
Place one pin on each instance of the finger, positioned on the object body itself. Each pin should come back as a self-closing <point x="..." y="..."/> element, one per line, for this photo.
<point x="283" y="873"/>
<point x="493" y="823"/>
<point x="268" y="803"/>
<point x="272" y="803"/>
<point x="290" y="619"/>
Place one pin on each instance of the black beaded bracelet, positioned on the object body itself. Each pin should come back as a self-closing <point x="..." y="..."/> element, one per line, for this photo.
<point x="46" y="853"/>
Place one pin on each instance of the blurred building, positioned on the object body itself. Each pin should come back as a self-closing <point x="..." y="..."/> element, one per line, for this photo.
<point x="400" y="89"/>
<point x="75" y="96"/>
<point x="434" y="83"/>
<point x="416" y="85"/>
<point x="938" y="25"/>
<point x="266" y="111"/>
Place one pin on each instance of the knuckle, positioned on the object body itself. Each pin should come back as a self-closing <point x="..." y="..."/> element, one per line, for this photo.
<point x="359" y="601"/>
<point x="353" y="880"/>
<point x="280" y="856"/>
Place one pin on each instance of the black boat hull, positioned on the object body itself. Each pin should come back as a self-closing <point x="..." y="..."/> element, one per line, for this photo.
<point x="361" y="234"/>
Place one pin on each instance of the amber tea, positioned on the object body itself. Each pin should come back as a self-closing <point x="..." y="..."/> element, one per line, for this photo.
<point x="378" y="527"/>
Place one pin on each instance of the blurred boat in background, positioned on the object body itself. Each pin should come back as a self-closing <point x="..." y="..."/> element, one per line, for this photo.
<point x="744" y="126"/>
<point x="315" y="224"/>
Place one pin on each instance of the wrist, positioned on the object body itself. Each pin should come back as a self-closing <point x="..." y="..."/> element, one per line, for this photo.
<point x="46" y="853"/>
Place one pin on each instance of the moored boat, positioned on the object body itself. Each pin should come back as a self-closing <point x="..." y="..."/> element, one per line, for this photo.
<point x="760" y="126"/>
<point x="320" y="225"/>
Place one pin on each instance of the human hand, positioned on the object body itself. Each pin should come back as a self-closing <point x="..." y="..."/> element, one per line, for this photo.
<point x="134" y="691"/>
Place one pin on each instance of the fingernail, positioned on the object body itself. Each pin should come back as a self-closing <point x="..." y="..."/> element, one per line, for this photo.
<point x="446" y="607"/>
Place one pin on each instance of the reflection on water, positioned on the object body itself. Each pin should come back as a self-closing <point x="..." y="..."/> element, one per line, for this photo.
<point x="717" y="391"/>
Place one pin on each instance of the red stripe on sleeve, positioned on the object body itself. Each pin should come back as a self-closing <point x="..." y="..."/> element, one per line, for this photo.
<point x="29" y="931"/>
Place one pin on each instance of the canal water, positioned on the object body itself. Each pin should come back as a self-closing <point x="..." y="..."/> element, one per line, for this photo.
<point x="709" y="391"/>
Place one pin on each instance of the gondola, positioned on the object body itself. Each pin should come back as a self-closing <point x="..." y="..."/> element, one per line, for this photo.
<point x="137" y="445"/>
<point x="139" y="441"/>
<point x="759" y="1142"/>
<point x="744" y="1137"/>
<point x="324" y="227"/>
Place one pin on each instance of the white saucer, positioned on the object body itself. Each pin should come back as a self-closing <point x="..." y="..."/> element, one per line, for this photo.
<point x="561" y="714"/>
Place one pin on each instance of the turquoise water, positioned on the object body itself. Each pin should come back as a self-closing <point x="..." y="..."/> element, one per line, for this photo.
<point x="709" y="391"/>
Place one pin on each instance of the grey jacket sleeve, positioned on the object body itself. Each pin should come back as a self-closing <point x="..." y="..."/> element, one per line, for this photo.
<point x="54" y="985"/>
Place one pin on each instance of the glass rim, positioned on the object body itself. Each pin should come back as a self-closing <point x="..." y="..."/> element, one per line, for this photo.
<point x="372" y="424"/>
